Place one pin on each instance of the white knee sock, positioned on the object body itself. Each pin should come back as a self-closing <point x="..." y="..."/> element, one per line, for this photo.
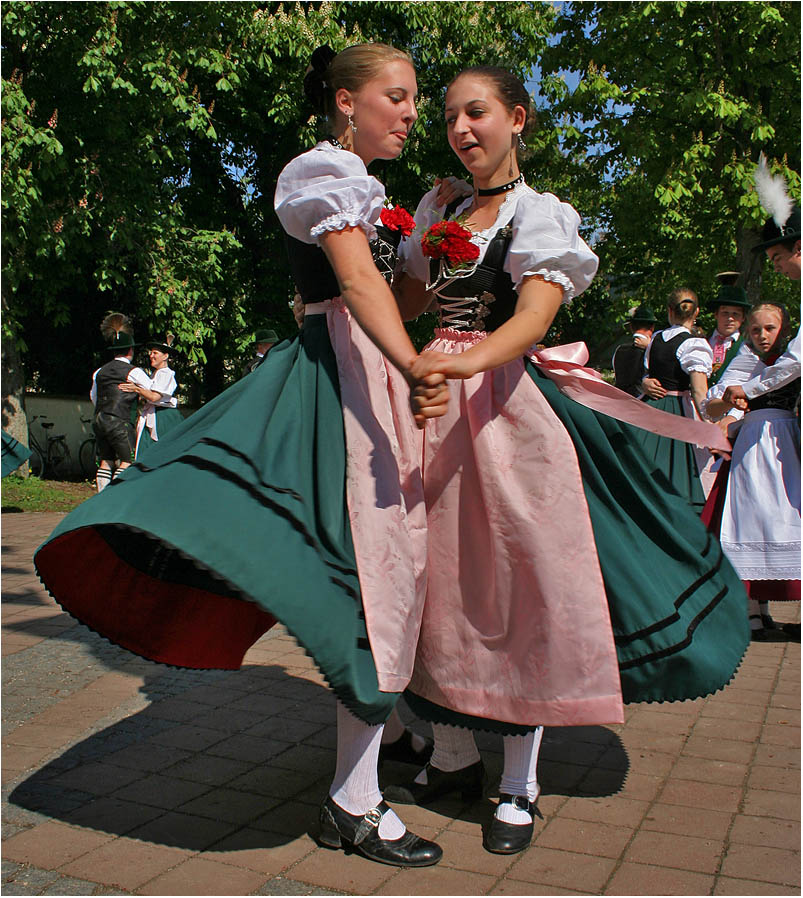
<point x="355" y="787"/>
<point x="102" y="478"/>
<point x="519" y="776"/>
<point x="455" y="748"/>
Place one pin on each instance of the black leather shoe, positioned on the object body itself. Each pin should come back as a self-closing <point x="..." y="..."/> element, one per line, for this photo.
<point x="510" y="838"/>
<point x="792" y="631"/>
<point x="467" y="781"/>
<point x="768" y="623"/>
<point x="402" y="750"/>
<point x="764" y="635"/>
<point x="340" y="829"/>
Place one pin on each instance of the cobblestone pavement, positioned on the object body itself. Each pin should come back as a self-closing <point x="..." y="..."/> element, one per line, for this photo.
<point x="122" y="777"/>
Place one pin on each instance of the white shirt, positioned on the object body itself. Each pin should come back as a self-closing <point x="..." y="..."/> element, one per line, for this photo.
<point x="545" y="240"/>
<point x="162" y="381"/>
<point x="780" y="373"/>
<point x="693" y="354"/>
<point x="327" y="189"/>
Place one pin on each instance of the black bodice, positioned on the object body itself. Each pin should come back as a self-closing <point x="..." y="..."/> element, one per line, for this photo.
<point x="488" y="292"/>
<point x="786" y="397"/>
<point x="315" y="278"/>
<point x="664" y="363"/>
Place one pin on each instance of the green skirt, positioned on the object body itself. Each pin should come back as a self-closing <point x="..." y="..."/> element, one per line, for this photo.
<point x="167" y="419"/>
<point x="677" y="606"/>
<point x="674" y="458"/>
<point x="14" y="454"/>
<point x="235" y="519"/>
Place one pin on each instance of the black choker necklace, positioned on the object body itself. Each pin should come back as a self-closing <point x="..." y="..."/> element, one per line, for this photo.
<point x="335" y="142"/>
<point x="495" y="191"/>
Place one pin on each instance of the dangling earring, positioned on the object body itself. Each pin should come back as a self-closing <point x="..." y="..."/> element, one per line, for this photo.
<point x="522" y="144"/>
<point x="352" y="125"/>
<point x="510" y="164"/>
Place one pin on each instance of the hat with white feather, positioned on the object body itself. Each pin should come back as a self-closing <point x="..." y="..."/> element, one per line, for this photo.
<point x="785" y="222"/>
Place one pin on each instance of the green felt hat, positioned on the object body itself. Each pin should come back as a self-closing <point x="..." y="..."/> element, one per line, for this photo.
<point x="265" y="335"/>
<point x="729" y="294"/>
<point x="643" y="314"/>
<point x="167" y="345"/>
<point x="122" y="342"/>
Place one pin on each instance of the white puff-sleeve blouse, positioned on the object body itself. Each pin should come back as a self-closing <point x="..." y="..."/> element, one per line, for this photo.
<point x="545" y="242"/>
<point x="327" y="189"/>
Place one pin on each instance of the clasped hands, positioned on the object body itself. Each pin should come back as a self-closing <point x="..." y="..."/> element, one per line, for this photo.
<point x="429" y="394"/>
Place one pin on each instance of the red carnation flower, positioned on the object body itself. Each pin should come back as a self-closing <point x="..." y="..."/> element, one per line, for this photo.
<point x="450" y="241"/>
<point x="398" y="219"/>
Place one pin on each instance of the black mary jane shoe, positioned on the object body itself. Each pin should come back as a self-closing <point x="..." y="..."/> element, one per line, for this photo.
<point x="792" y="631"/>
<point x="467" y="781"/>
<point x="402" y="750"/>
<point x="339" y="829"/>
<point x="510" y="838"/>
<point x="765" y="635"/>
<point x="769" y="623"/>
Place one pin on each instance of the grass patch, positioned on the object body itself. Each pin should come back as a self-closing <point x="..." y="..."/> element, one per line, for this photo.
<point x="32" y="494"/>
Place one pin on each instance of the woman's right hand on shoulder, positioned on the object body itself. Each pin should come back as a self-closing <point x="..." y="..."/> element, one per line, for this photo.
<point x="450" y="188"/>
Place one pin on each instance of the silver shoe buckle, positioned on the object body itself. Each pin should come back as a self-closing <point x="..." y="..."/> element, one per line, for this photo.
<point x="368" y="824"/>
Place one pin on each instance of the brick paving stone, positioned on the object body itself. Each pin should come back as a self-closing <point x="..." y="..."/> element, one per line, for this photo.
<point x="464" y="851"/>
<point x="586" y="837"/>
<point x="567" y="869"/>
<point x="349" y="872"/>
<point x="51" y="845"/>
<point x="677" y="851"/>
<point x="160" y="791"/>
<point x="734" y="711"/>
<point x="615" y="811"/>
<point x="208" y="769"/>
<point x="738" y="730"/>
<point x="230" y="805"/>
<point x="673" y="818"/>
<point x="728" y="886"/>
<point x="778" y="734"/>
<point x="148" y="756"/>
<point x="777" y="756"/>
<point x="510" y="886"/>
<point x="125" y="863"/>
<point x="718" y="749"/>
<point x="763" y="863"/>
<point x="200" y="876"/>
<point x="437" y="880"/>
<point x="180" y="830"/>
<point x="774" y="779"/>
<point x="256" y="750"/>
<point x="701" y="795"/>
<point x="761" y="803"/>
<point x="766" y="831"/>
<point x="280" y="885"/>
<point x="645" y="879"/>
<point x="258" y="850"/>
<point x="710" y="771"/>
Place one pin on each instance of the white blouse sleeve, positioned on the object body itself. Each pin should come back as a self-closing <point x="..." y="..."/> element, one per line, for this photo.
<point x="784" y="371"/>
<point x="164" y="382"/>
<point x="696" y="355"/>
<point x="139" y="377"/>
<point x="546" y="243"/>
<point x="327" y="189"/>
<point x="744" y="365"/>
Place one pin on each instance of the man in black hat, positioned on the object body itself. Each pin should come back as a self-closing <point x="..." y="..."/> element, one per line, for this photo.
<point x="115" y="436"/>
<point x="628" y="358"/>
<point x="782" y="246"/>
<point x="264" y="339"/>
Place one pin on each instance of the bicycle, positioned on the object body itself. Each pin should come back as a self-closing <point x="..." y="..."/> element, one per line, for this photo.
<point x="54" y="456"/>
<point x="88" y="454"/>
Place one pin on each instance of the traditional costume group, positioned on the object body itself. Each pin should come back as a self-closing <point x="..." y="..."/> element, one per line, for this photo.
<point x="519" y="563"/>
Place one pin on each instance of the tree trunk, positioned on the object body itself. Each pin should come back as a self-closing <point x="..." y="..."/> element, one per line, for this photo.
<point x="13" y="388"/>
<point x="751" y="264"/>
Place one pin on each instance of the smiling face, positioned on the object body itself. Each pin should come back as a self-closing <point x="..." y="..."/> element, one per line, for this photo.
<point x="481" y="129"/>
<point x="729" y="319"/>
<point x="383" y="111"/>
<point x="765" y="327"/>
<point x="158" y="358"/>
<point x="786" y="261"/>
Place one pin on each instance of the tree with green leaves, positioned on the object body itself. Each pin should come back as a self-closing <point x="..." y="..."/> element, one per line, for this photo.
<point x="659" y="140"/>
<point x="142" y="142"/>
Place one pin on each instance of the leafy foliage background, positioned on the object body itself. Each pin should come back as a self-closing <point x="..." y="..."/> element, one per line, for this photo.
<point x="142" y="141"/>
